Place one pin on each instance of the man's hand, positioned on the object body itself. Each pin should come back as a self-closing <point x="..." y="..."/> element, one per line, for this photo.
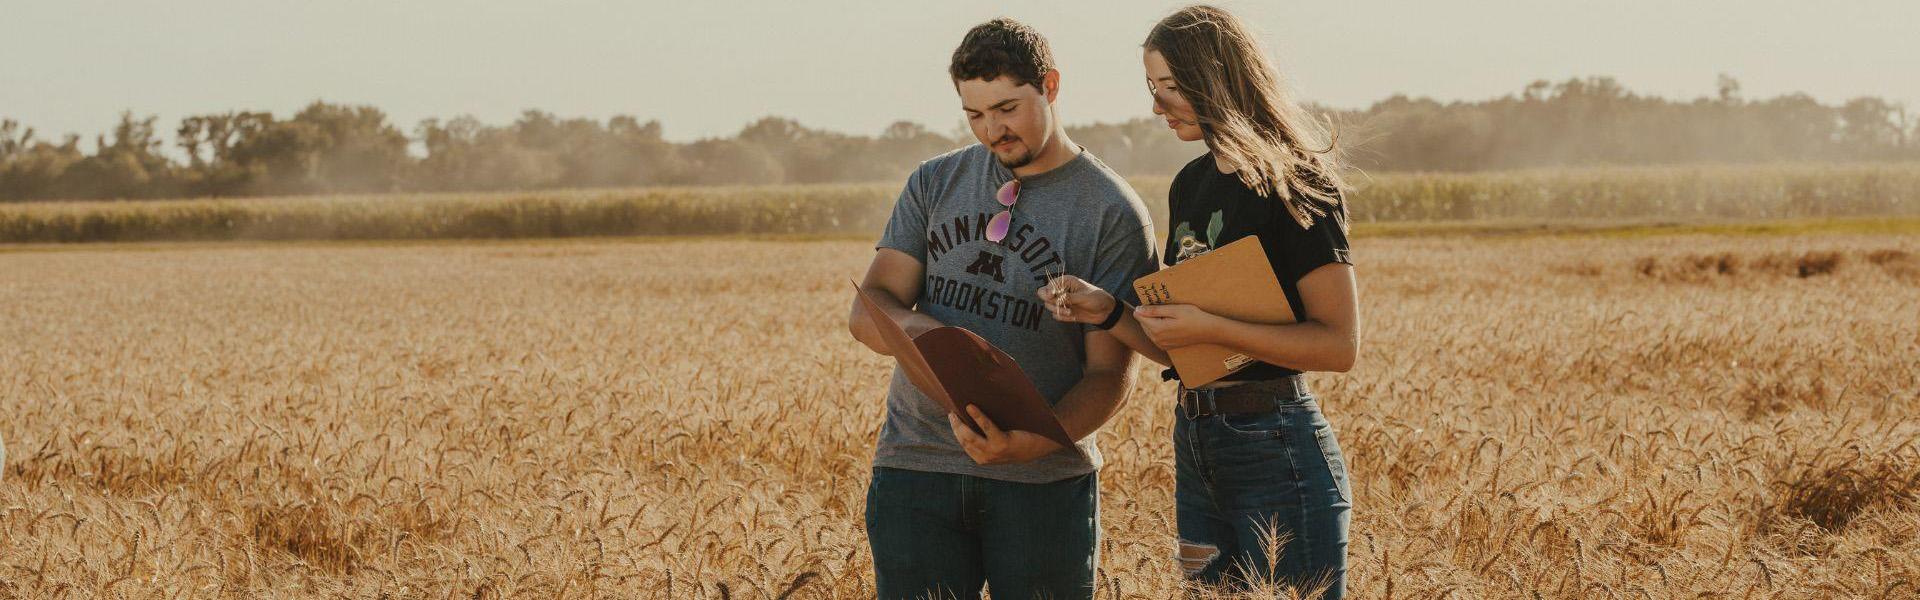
<point x="1074" y="300"/>
<point x="999" y="447"/>
<point x="1178" y="325"/>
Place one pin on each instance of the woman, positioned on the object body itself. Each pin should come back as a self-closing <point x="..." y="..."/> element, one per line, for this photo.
<point x="1258" y="467"/>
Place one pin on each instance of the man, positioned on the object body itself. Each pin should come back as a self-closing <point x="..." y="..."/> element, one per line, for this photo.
<point x="950" y="509"/>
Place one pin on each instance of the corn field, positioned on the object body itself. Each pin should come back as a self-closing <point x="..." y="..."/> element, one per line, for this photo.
<point x="1640" y="195"/>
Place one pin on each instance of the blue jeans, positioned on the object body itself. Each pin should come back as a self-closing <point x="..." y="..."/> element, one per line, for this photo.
<point x="943" y="535"/>
<point x="1242" y="479"/>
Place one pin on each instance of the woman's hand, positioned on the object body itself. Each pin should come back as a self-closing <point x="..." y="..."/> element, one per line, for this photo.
<point x="1178" y="325"/>
<point x="1073" y="300"/>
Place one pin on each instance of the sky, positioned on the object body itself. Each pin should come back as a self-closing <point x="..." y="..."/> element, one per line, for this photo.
<point x="706" y="69"/>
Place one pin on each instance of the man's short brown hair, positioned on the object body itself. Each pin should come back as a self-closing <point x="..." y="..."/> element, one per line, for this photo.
<point x="1002" y="47"/>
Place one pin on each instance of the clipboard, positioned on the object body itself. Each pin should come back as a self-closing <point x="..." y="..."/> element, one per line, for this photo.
<point x="1234" y="281"/>
<point x="956" y="368"/>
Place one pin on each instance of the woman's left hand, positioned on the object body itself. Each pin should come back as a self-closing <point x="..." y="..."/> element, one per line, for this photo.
<point x="1177" y="325"/>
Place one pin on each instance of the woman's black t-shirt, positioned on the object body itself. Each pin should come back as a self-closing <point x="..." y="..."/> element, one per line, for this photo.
<point x="1209" y="209"/>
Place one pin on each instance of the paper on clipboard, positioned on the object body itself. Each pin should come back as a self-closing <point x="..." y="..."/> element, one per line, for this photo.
<point x="1234" y="281"/>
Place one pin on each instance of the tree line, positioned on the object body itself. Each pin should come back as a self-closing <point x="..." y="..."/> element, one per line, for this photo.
<point x="331" y="148"/>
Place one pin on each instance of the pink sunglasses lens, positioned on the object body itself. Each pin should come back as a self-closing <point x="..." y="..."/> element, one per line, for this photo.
<point x="1009" y="193"/>
<point x="997" y="228"/>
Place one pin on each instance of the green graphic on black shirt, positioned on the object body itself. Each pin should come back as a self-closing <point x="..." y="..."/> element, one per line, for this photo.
<point x="1189" y="245"/>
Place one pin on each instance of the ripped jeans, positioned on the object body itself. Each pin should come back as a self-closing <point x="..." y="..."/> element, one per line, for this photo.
<point x="1242" y="480"/>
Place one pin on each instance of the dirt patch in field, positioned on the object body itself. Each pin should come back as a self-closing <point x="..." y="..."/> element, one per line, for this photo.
<point x="1696" y="268"/>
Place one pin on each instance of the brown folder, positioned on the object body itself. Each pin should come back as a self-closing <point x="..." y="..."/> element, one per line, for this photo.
<point x="957" y="368"/>
<point x="1234" y="281"/>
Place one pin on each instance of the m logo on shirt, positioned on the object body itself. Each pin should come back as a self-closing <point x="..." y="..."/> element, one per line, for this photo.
<point x="988" y="264"/>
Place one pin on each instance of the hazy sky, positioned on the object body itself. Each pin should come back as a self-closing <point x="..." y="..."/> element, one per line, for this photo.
<point x="707" y="68"/>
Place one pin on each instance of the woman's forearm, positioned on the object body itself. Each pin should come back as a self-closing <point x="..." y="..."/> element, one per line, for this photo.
<point x="1304" y="346"/>
<point x="1128" y="331"/>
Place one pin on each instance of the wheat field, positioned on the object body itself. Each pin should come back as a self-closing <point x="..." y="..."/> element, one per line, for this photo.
<point x="1532" y="416"/>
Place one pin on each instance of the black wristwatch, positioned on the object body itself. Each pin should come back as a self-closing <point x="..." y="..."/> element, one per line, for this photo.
<point x="1113" y="318"/>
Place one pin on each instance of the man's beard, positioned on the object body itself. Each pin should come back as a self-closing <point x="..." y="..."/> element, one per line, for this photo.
<point x="1017" y="161"/>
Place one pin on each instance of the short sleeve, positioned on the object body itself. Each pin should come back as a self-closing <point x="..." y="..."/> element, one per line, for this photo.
<point x="907" y="228"/>
<point x="1179" y="192"/>
<point x="1303" y="251"/>
<point x="1125" y="253"/>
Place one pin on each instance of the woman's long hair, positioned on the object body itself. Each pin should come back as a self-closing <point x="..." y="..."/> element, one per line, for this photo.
<point x="1252" y="126"/>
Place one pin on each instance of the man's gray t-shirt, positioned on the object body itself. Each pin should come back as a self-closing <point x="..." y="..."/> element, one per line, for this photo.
<point x="1080" y="218"/>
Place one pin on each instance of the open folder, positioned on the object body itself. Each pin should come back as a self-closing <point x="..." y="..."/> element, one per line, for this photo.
<point x="1234" y="281"/>
<point x="957" y="368"/>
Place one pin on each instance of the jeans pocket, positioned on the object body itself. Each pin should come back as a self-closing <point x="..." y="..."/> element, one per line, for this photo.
<point x="1266" y="425"/>
<point x="1336" y="461"/>
<point x="873" y="495"/>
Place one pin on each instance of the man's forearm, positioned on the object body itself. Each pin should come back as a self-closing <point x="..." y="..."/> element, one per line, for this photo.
<point x="913" y="321"/>
<point x="1094" y="400"/>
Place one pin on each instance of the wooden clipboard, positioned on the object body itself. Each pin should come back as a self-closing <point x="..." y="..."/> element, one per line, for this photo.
<point x="1234" y="281"/>
<point x="956" y="368"/>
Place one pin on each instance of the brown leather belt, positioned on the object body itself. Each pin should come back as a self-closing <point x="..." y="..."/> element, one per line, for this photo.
<point x="1251" y="397"/>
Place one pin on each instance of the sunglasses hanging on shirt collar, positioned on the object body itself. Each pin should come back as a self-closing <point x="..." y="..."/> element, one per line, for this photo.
<point x="1007" y="196"/>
